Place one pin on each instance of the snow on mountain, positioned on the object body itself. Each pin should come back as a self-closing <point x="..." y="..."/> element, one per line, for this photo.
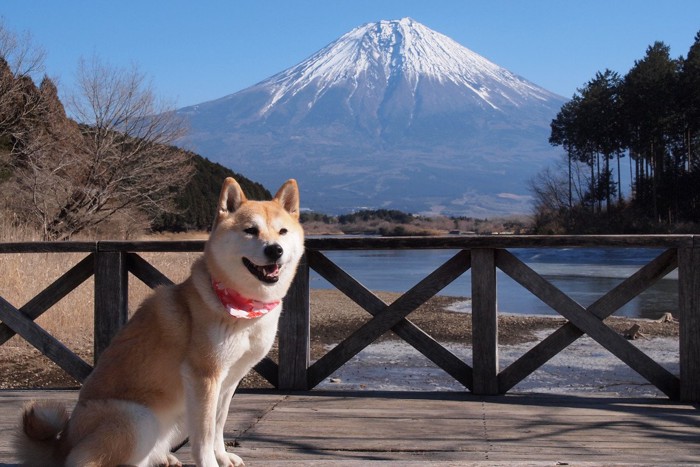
<point x="392" y="114"/>
<point x="406" y="50"/>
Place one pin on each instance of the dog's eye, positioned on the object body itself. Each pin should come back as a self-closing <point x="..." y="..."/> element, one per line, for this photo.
<point x="254" y="231"/>
<point x="283" y="232"/>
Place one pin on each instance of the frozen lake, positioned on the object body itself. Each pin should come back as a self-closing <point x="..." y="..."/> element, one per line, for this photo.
<point x="585" y="274"/>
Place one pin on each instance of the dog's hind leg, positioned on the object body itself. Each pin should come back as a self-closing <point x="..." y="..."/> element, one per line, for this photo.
<point x="162" y="454"/>
<point x="106" y="433"/>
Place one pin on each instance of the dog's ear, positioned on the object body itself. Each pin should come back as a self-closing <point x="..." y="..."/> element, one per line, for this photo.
<point x="230" y="199"/>
<point x="288" y="197"/>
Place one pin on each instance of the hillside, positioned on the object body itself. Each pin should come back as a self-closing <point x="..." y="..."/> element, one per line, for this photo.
<point x="196" y="202"/>
<point x="59" y="179"/>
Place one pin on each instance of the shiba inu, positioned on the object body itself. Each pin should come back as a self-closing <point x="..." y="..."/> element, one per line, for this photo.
<point x="171" y="371"/>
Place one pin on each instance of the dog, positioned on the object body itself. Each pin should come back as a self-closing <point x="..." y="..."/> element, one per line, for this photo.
<point x="171" y="371"/>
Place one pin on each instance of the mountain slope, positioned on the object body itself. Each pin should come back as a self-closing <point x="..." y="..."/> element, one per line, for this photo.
<point x="392" y="114"/>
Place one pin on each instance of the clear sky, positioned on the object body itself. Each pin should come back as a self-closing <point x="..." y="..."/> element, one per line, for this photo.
<point x="198" y="50"/>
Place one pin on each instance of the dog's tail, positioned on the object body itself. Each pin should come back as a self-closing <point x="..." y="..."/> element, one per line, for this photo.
<point x="37" y="440"/>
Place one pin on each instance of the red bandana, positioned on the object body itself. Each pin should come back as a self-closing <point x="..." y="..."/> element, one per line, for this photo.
<point x="240" y="307"/>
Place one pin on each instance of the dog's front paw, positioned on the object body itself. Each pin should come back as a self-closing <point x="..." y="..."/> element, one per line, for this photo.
<point x="229" y="459"/>
<point x="170" y="461"/>
<point x="173" y="461"/>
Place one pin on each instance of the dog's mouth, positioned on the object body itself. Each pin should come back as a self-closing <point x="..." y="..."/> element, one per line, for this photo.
<point x="270" y="273"/>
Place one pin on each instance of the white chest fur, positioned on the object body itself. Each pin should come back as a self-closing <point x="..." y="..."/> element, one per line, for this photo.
<point x="241" y="343"/>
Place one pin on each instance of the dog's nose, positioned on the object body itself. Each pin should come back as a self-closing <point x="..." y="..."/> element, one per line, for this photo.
<point x="274" y="251"/>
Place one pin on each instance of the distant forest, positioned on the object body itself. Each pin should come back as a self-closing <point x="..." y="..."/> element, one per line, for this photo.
<point x="195" y="204"/>
<point x="651" y="116"/>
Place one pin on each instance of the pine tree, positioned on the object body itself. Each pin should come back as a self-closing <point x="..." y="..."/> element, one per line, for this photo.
<point x="649" y="113"/>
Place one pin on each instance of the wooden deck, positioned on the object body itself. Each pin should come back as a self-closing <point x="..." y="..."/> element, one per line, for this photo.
<point x="319" y="428"/>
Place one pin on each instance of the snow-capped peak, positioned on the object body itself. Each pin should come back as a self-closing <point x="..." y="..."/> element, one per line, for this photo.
<point x="389" y="105"/>
<point x="402" y="49"/>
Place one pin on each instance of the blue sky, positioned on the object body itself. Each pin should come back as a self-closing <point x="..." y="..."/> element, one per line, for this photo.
<point x="195" y="51"/>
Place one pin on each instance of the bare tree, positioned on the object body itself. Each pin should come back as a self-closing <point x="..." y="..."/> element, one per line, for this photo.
<point x="25" y="58"/>
<point x="126" y="160"/>
<point x="116" y="158"/>
<point x="20" y="102"/>
<point x="20" y="60"/>
<point x="46" y="161"/>
<point x="558" y="191"/>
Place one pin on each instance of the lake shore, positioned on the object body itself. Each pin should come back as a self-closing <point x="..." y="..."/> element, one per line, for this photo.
<point x="391" y="364"/>
<point x="335" y="317"/>
<point x="584" y="367"/>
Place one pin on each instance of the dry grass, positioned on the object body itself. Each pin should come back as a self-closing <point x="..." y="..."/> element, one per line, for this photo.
<point x="23" y="276"/>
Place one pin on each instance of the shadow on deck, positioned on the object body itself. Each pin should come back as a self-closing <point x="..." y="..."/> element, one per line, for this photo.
<point x="322" y="428"/>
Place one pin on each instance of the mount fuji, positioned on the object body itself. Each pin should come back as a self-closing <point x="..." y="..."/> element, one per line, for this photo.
<point x="391" y="115"/>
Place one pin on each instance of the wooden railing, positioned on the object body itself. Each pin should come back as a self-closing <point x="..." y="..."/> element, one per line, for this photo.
<point x="111" y="263"/>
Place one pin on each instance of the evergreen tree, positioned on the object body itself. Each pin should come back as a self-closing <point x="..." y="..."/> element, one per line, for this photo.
<point x="563" y="133"/>
<point x="196" y="202"/>
<point x="653" y="113"/>
<point x="689" y="101"/>
<point x="689" y="105"/>
<point x="603" y="131"/>
<point x="649" y="113"/>
<point x="588" y="127"/>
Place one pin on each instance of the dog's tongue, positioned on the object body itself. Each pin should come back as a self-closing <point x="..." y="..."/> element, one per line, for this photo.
<point x="271" y="270"/>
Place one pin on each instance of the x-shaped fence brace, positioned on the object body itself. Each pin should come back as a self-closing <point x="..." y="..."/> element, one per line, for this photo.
<point x="581" y="320"/>
<point x="390" y="317"/>
<point x="21" y="321"/>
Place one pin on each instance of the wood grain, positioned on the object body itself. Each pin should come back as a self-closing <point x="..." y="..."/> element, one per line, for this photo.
<point x="353" y="429"/>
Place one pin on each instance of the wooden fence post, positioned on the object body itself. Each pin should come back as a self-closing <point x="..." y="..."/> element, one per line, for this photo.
<point x="294" y="332"/>
<point x="111" y="297"/>
<point x="484" y="322"/>
<point x="689" y="322"/>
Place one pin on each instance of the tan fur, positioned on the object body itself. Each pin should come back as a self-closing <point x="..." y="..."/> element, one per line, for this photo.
<point x="171" y="371"/>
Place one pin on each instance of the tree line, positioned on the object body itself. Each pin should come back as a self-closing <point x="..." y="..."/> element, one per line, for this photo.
<point x="651" y="117"/>
<point x="391" y="215"/>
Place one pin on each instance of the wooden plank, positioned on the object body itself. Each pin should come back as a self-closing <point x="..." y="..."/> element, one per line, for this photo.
<point x="484" y="322"/>
<point x="345" y="283"/>
<point x="386" y="319"/>
<point x="145" y="271"/>
<point x="295" y="332"/>
<point x="332" y="429"/>
<point x="43" y="341"/>
<point x="48" y="247"/>
<point x="689" y="322"/>
<point x="53" y="293"/>
<point x="396" y="426"/>
<point x="631" y="287"/>
<point x="111" y="297"/>
<point x="268" y="370"/>
<point x="645" y="277"/>
<point x="405" y="329"/>
<point x="591" y="325"/>
<point x="163" y="246"/>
